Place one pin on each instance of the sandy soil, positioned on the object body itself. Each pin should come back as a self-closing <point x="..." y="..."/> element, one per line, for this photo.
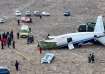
<point x="66" y="61"/>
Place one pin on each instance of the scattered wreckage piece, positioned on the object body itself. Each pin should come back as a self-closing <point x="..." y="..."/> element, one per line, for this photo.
<point x="47" y="59"/>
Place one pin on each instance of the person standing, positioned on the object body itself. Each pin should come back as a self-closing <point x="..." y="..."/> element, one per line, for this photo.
<point x="18" y="21"/>
<point x="7" y="34"/>
<point x="2" y="44"/>
<point x="13" y="44"/>
<point x="93" y="58"/>
<point x="39" y="48"/>
<point x="17" y="65"/>
<point x="17" y="35"/>
<point x="28" y="40"/>
<point x="11" y="35"/>
<point x="47" y="35"/>
<point x="40" y="16"/>
<point x="8" y="41"/>
<point x="0" y="37"/>
<point x="89" y="58"/>
<point x="30" y="29"/>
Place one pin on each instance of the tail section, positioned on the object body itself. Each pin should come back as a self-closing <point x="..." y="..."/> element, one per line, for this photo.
<point x="99" y="27"/>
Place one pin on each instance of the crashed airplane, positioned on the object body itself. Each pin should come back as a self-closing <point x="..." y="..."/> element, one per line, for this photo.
<point x="73" y="40"/>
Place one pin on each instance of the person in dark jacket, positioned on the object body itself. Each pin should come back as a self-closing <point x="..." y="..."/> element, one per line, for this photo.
<point x="28" y="40"/>
<point x="17" y="65"/>
<point x="18" y="21"/>
<point x="8" y="41"/>
<point x="47" y="35"/>
<point x="40" y="16"/>
<point x="93" y="58"/>
<point x="89" y="58"/>
<point x="13" y="44"/>
<point x="7" y="34"/>
<point x="17" y="35"/>
<point x="11" y="35"/>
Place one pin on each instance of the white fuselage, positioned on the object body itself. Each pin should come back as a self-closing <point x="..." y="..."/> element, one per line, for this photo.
<point x="76" y="37"/>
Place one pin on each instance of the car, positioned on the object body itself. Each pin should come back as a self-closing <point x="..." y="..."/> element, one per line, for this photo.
<point x="4" y="70"/>
<point x="24" y="31"/>
<point x="44" y="13"/>
<point x="28" y="13"/>
<point x="37" y="13"/>
<point x="26" y="19"/>
<point x="67" y="12"/>
<point x="3" y="19"/>
<point x="48" y="57"/>
<point x="18" y="13"/>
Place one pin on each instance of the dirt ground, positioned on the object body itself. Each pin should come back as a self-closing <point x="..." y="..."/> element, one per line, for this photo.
<point x="66" y="61"/>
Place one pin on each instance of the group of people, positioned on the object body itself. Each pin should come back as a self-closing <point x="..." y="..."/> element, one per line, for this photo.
<point x="7" y="39"/>
<point x="91" y="58"/>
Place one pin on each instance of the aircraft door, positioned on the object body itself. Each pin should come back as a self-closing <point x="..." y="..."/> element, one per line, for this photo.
<point x="69" y="39"/>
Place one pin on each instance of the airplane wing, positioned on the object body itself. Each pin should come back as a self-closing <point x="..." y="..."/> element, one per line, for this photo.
<point x="51" y="37"/>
